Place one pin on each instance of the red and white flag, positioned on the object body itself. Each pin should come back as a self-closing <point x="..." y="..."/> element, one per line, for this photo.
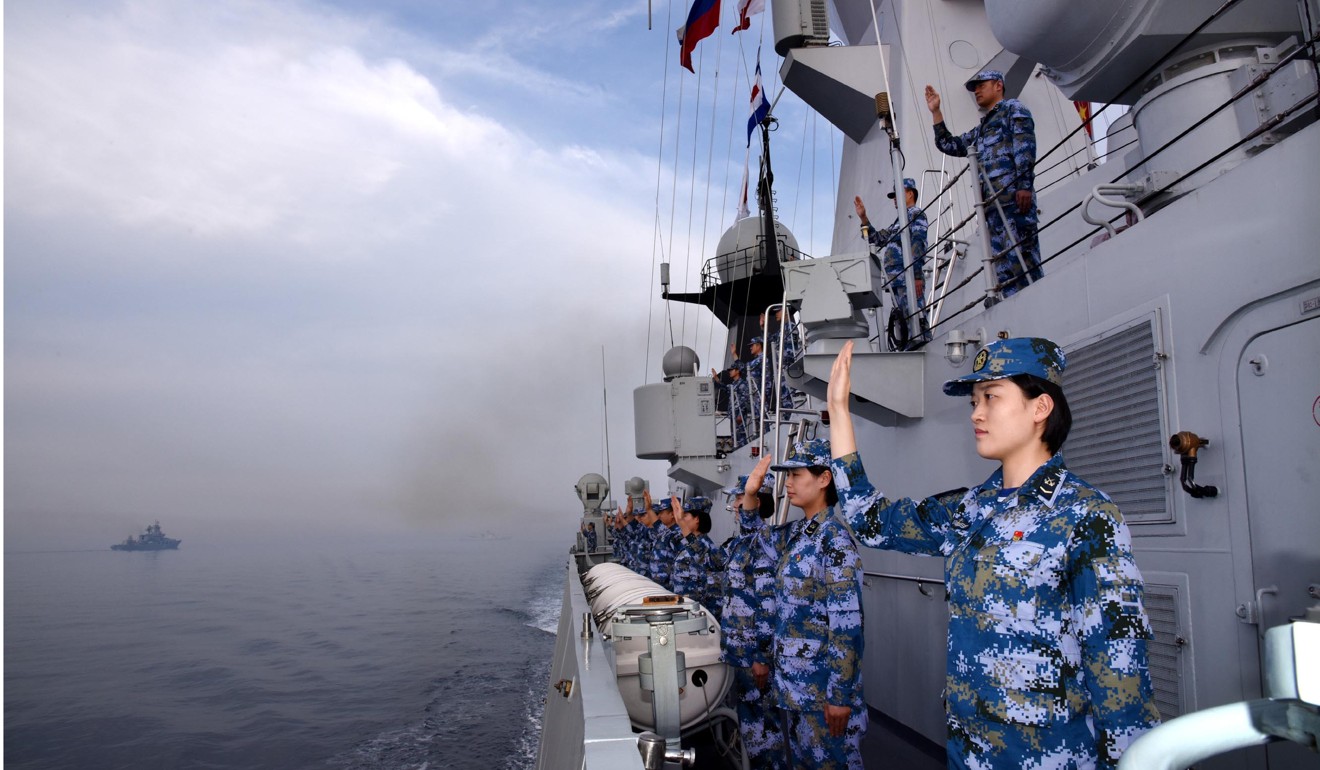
<point x="746" y="10"/>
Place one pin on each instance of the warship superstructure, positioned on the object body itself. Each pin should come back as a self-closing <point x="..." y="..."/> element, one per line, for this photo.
<point x="151" y="539"/>
<point x="1181" y="275"/>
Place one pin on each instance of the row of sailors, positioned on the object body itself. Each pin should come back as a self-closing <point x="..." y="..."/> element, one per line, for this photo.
<point x="667" y="541"/>
<point x="1047" y="642"/>
<point x="761" y="584"/>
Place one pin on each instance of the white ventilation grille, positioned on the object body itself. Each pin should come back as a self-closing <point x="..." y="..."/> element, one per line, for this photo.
<point x="1117" y="437"/>
<point x="1165" y="652"/>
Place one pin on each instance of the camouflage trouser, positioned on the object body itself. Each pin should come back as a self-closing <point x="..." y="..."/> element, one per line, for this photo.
<point x="1008" y="271"/>
<point x="758" y="722"/>
<point x="983" y="744"/>
<point x="813" y="747"/>
<point x="893" y="262"/>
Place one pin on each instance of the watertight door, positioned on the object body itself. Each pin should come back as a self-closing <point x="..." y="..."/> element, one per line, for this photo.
<point x="1279" y="391"/>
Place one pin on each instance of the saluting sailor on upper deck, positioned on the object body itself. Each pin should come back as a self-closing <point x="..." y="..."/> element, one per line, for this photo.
<point x="1005" y="145"/>
<point x="889" y="243"/>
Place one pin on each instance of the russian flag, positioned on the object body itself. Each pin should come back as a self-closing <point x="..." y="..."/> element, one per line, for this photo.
<point x="701" y="22"/>
<point x="760" y="105"/>
<point x="746" y="10"/>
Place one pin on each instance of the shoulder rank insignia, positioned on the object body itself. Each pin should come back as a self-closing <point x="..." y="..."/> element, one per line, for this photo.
<point x="812" y="527"/>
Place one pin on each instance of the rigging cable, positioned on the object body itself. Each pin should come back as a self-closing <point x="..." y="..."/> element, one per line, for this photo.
<point x="724" y="200"/>
<point x="657" y="244"/>
<point x="710" y="162"/>
<point x="673" y="198"/>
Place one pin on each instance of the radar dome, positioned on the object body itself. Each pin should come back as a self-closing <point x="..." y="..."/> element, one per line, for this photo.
<point x="680" y="361"/>
<point x="635" y="485"/>
<point x="740" y="253"/>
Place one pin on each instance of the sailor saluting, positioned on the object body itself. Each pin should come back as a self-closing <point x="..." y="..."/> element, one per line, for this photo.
<point x="818" y="637"/>
<point x="1047" y="633"/>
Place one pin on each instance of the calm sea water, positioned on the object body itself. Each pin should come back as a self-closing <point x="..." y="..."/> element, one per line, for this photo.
<point x="425" y="655"/>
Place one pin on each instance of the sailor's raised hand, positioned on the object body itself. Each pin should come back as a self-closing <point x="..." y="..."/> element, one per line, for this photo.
<point x="840" y="378"/>
<point x="755" y="479"/>
<point x="842" y="440"/>
<point x="861" y="209"/>
<point x="932" y="98"/>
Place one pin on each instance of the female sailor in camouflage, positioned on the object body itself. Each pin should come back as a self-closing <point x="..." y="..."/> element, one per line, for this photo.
<point x="818" y="617"/>
<point x="695" y="559"/>
<point x="664" y="542"/>
<point x="1047" y="633"/>
<point x="747" y="620"/>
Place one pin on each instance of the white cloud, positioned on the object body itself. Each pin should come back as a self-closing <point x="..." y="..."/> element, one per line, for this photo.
<point x="254" y="268"/>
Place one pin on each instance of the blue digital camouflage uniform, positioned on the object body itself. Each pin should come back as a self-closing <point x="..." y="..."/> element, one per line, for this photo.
<point x="621" y="555"/>
<point x="748" y="611"/>
<point x="642" y="545"/>
<point x="740" y="408"/>
<point x="1005" y="144"/>
<point x="691" y="572"/>
<point x="664" y="545"/>
<point x="590" y="534"/>
<point x="888" y="242"/>
<point x="792" y="351"/>
<point x="626" y="544"/>
<point x="791" y="344"/>
<point x="740" y="402"/>
<point x="819" y="640"/>
<point x="753" y="376"/>
<point x="1047" y="633"/>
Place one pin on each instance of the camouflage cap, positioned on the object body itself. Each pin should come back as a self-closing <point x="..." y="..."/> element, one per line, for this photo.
<point x="661" y="505"/>
<point x="983" y="75"/>
<point x="756" y="341"/>
<point x="1005" y="358"/>
<point x="908" y="184"/>
<point x="767" y="485"/>
<point x="697" y="503"/>
<point x="806" y="454"/>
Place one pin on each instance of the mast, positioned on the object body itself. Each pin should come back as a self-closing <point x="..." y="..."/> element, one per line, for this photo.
<point x="765" y="197"/>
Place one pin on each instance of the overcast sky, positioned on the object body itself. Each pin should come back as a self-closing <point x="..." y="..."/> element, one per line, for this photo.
<point x="340" y="267"/>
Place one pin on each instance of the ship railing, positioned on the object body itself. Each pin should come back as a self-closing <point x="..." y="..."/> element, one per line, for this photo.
<point x="954" y="216"/>
<point x="745" y="262"/>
